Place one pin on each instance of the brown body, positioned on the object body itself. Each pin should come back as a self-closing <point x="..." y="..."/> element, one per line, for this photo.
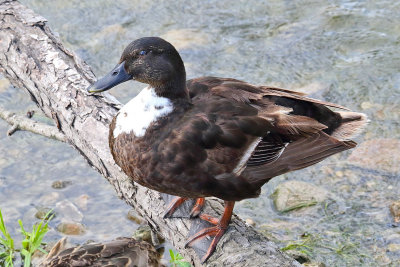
<point x="194" y="151"/>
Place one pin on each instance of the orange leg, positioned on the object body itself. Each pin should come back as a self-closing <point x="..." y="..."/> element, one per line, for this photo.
<point x="177" y="201"/>
<point x="217" y="231"/>
<point x="198" y="206"/>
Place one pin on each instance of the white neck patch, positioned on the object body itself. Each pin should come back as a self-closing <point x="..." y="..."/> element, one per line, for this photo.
<point x="140" y="112"/>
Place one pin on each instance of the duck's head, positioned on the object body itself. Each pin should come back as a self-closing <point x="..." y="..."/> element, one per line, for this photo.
<point x="150" y="60"/>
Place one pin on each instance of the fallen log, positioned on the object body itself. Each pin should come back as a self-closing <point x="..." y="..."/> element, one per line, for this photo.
<point x="34" y="59"/>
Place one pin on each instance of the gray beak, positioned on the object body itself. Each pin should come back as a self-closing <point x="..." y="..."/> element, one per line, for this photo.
<point x="116" y="76"/>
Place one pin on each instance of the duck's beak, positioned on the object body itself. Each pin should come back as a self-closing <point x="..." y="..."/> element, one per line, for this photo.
<point x="116" y="76"/>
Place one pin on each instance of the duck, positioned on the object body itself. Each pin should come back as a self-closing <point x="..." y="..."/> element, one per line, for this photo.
<point x="121" y="252"/>
<point x="215" y="137"/>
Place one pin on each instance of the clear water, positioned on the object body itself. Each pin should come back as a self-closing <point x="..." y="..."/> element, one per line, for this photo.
<point x="341" y="51"/>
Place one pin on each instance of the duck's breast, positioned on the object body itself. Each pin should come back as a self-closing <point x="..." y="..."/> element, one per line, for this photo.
<point x="139" y="113"/>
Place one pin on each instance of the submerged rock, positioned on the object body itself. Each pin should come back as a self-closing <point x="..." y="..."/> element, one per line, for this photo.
<point x="60" y="184"/>
<point x="82" y="201"/>
<point x="49" y="199"/>
<point x="134" y="216"/>
<point x="66" y="209"/>
<point x="250" y="222"/>
<point x="294" y="195"/>
<point x="393" y="247"/>
<point x="42" y="211"/>
<point x="395" y="210"/>
<point x="379" y="154"/>
<point x="71" y="228"/>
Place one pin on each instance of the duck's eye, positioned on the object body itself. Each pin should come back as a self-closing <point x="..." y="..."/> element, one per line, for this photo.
<point x="143" y="52"/>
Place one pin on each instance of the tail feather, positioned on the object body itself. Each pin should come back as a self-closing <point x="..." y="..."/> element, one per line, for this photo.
<point x="353" y="123"/>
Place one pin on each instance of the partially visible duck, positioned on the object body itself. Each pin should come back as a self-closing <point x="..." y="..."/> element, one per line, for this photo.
<point x="215" y="136"/>
<point x="122" y="252"/>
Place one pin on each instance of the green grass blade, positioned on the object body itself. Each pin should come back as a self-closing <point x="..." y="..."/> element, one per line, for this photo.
<point x="172" y="255"/>
<point x="7" y="242"/>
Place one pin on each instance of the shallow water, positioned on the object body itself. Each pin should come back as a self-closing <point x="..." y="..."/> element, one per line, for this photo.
<point x="340" y="51"/>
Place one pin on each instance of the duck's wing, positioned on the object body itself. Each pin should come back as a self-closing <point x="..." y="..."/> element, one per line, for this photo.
<point x="304" y="131"/>
<point x="288" y="110"/>
<point x="245" y="92"/>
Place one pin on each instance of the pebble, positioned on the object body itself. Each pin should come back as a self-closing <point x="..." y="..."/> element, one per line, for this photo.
<point x="395" y="210"/>
<point x="366" y="105"/>
<point x="71" y="228"/>
<point x="393" y="247"/>
<point x="339" y="174"/>
<point x="370" y="184"/>
<point x="135" y="217"/>
<point x="42" y="211"/>
<point x="49" y="199"/>
<point x="250" y="222"/>
<point x="60" y="184"/>
<point x="82" y="201"/>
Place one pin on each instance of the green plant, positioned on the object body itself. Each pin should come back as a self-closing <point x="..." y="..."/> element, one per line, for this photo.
<point x="301" y="246"/>
<point x="33" y="240"/>
<point x="305" y="245"/>
<point x="30" y="244"/>
<point x="7" y="242"/>
<point x="177" y="260"/>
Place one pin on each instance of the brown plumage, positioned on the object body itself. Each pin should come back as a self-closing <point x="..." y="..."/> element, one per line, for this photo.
<point x="122" y="252"/>
<point x="223" y="137"/>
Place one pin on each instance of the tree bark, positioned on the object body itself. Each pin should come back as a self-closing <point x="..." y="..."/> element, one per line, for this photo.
<point x="33" y="58"/>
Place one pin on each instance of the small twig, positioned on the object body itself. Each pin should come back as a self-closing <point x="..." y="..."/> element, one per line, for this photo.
<point x="13" y="129"/>
<point x="19" y="122"/>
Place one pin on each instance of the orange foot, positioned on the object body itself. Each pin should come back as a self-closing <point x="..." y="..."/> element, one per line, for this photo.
<point x="217" y="231"/>
<point x="177" y="201"/>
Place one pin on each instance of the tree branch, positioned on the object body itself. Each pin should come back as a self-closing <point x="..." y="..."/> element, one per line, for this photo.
<point x="34" y="59"/>
<point x="19" y="122"/>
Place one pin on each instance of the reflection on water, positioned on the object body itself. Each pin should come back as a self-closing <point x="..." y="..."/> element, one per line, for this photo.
<point x="347" y="51"/>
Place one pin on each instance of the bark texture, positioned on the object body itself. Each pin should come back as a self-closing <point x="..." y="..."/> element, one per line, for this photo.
<point x="33" y="58"/>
